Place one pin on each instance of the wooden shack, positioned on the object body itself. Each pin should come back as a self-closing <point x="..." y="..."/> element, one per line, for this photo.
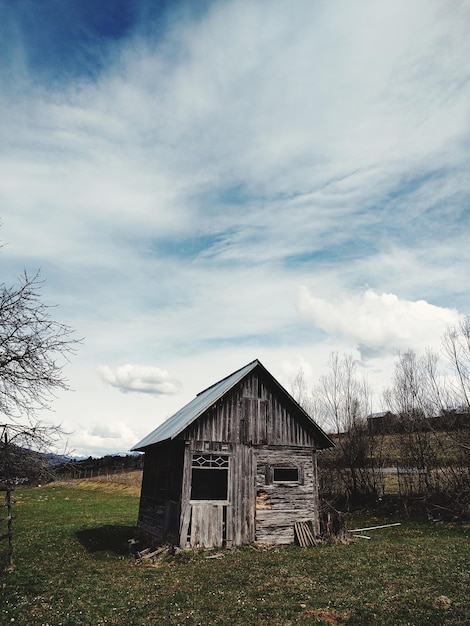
<point x="235" y="465"/>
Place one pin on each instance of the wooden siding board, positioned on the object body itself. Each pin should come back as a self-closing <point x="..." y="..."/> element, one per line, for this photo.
<point x="185" y="519"/>
<point x="243" y="495"/>
<point x="248" y="419"/>
<point x="316" y="495"/>
<point x="207" y="525"/>
<point x="160" y="494"/>
<point x="280" y="505"/>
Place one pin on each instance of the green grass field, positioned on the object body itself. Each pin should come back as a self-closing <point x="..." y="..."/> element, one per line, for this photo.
<point x="73" y="568"/>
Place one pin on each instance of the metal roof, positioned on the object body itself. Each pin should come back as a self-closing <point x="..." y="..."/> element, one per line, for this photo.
<point x="185" y="416"/>
<point x="379" y="415"/>
<point x="175" y="424"/>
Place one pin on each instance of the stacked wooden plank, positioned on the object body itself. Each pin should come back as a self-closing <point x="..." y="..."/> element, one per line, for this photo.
<point x="304" y="534"/>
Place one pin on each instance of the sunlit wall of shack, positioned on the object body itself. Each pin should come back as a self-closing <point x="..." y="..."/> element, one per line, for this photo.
<point x="236" y="465"/>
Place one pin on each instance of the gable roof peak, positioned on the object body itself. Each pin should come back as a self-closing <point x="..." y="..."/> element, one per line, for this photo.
<point x="247" y="367"/>
<point x="177" y="423"/>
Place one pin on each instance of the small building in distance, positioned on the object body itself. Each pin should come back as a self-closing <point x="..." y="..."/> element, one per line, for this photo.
<point x="383" y="423"/>
<point x="235" y="465"/>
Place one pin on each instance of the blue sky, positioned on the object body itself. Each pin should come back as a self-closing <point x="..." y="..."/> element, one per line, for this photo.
<point x="207" y="183"/>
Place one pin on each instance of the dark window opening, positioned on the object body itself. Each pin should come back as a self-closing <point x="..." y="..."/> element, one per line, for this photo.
<point x="209" y="477"/>
<point x="209" y="484"/>
<point x="286" y="474"/>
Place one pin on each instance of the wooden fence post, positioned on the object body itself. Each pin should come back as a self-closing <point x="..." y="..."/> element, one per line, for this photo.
<point x="6" y="556"/>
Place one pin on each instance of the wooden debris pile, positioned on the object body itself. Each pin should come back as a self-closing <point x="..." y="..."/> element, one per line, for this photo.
<point x="147" y="554"/>
<point x="151" y="552"/>
<point x="332" y="528"/>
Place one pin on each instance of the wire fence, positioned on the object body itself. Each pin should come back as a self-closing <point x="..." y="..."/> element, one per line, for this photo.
<point x="132" y="477"/>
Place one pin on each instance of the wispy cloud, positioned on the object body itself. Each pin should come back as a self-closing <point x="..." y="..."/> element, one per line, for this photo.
<point x="178" y="172"/>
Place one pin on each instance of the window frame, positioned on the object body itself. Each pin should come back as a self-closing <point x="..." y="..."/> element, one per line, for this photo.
<point x="290" y="468"/>
<point x="270" y="470"/>
<point x="210" y="461"/>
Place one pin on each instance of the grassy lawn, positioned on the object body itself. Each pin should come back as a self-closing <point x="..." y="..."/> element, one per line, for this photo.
<point x="73" y="567"/>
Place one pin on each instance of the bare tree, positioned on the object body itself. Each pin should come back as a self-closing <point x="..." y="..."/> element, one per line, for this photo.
<point x="345" y="397"/>
<point x="433" y="427"/>
<point x="33" y="350"/>
<point x="300" y="391"/>
<point x="409" y="399"/>
<point x="31" y="344"/>
<point x="456" y="348"/>
<point x="346" y="402"/>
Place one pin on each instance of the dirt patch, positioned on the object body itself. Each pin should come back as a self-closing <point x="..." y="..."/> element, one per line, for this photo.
<point x="328" y="616"/>
<point x="442" y="602"/>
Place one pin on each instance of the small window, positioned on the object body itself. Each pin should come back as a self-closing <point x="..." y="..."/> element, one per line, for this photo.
<point x="209" y="477"/>
<point x="286" y="474"/>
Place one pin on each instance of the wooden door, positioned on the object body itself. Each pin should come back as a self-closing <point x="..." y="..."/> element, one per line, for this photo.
<point x="207" y="525"/>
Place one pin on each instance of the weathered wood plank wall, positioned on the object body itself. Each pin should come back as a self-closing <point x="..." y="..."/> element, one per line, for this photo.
<point x="257" y="431"/>
<point x="241" y="524"/>
<point x="279" y="505"/>
<point x="251" y="414"/>
<point x="159" y="508"/>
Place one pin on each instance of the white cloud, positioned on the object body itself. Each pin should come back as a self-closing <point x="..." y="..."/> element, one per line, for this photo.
<point x="100" y="439"/>
<point x="139" y="378"/>
<point x="379" y="322"/>
<point x="113" y="430"/>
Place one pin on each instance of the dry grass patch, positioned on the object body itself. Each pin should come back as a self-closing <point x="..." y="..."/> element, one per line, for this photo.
<point x="130" y="481"/>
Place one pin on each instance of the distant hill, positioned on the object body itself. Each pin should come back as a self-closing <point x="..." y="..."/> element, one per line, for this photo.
<point x="24" y="466"/>
<point x="107" y="464"/>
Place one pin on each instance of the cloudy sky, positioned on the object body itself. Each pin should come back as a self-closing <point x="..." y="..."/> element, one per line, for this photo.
<point x="206" y="183"/>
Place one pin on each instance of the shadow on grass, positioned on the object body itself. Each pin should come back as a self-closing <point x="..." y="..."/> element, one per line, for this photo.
<point x="110" y="538"/>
